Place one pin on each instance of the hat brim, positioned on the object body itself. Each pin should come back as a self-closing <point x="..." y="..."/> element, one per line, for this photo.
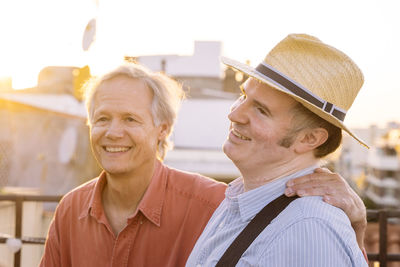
<point x="250" y="71"/>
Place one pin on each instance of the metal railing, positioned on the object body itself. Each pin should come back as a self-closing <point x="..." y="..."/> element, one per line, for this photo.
<point x="382" y="216"/>
<point x="19" y="200"/>
<point x="375" y="215"/>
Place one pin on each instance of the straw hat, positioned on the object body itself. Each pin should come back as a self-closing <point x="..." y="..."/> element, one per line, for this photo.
<point x="322" y="78"/>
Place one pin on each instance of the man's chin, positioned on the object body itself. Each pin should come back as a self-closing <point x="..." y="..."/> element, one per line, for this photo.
<point x="115" y="171"/>
<point x="229" y="151"/>
<point x="225" y="148"/>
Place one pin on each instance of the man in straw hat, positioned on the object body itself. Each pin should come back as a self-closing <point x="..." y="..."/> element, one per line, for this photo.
<point x="290" y="115"/>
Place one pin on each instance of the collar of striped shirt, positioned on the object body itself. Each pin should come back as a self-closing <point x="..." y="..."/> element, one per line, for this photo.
<point x="251" y="202"/>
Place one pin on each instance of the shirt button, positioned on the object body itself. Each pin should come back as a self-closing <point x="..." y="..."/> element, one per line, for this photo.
<point x="198" y="265"/>
<point x="221" y="225"/>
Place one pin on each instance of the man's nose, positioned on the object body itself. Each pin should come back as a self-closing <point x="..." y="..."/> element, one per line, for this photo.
<point x="115" y="130"/>
<point x="238" y="112"/>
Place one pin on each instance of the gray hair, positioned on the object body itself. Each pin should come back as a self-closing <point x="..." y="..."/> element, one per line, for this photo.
<point x="167" y="96"/>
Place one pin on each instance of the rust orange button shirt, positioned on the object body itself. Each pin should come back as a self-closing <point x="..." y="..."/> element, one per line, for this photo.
<point x="171" y="216"/>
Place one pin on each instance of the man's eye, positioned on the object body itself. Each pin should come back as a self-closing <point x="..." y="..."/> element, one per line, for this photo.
<point x="262" y="111"/>
<point x="130" y="119"/>
<point x="101" y="119"/>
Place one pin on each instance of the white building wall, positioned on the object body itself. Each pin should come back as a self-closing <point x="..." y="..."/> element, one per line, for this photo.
<point x="205" y="62"/>
<point x="199" y="134"/>
<point x="155" y="62"/>
<point x="202" y="124"/>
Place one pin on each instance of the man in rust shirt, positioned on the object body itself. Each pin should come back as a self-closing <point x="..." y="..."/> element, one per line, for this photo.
<point x="139" y="212"/>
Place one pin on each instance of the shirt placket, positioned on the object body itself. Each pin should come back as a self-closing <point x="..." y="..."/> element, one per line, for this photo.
<point x="124" y="243"/>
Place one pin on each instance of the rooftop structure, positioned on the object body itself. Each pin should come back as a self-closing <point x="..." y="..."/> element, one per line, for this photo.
<point x="383" y="171"/>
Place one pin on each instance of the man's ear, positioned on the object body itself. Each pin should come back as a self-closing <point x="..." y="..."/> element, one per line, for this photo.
<point x="164" y="130"/>
<point x="310" y="139"/>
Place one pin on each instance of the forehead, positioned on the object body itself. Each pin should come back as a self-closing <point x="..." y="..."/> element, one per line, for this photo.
<point x="123" y="92"/>
<point x="123" y="82"/>
<point x="267" y="95"/>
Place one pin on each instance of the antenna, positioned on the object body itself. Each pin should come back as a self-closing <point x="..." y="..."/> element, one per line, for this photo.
<point x="89" y="35"/>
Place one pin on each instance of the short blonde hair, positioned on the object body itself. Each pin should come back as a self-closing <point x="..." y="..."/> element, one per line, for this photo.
<point x="304" y="118"/>
<point x="167" y="96"/>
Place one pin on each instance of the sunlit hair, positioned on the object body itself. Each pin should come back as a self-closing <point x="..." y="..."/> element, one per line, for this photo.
<point x="167" y="96"/>
<point x="303" y="118"/>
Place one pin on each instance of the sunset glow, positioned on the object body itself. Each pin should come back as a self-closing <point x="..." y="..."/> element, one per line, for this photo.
<point x="42" y="33"/>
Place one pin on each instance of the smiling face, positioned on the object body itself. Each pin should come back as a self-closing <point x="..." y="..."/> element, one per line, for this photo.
<point x="260" y="119"/>
<point x="122" y="132"/>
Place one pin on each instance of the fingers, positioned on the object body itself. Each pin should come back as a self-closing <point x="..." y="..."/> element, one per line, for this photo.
<point x="309" y="191"/>
<point x="351" y="206"/>
<point x="321" y="182"/>
<point x="339" y="195"/>
<point x="343" y="203"/>
<point x="322" y="170"/>
<point x="319" y="175"/>
<point x="301" y="180"/>
<point x="333" y="188"/>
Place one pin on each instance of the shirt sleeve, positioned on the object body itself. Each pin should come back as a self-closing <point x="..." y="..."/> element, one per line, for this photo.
<point x="312" y="242"/>
<point x="51" y="255"/>
<point x="52" y="249"/>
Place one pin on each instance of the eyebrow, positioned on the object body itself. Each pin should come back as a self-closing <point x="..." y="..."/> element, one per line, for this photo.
<point x="258" y="103"/>
<point x="123" y="114"/>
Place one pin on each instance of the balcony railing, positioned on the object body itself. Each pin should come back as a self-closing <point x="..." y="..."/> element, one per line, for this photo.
<point x="19" y="200"/>
<point x="381" y="216"/>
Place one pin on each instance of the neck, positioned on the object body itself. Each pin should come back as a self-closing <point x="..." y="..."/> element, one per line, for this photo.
<point x="124" y="192"/>
<point x="257" y="176"/>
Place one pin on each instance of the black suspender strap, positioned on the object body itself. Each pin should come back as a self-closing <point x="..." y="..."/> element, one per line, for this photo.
<point x="252" y="230"/>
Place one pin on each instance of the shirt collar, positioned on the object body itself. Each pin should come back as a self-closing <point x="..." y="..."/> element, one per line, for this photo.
<point x="94" y="205"/>
<point x="153" y="200"/>
<point x="251" y="202"/>
<point x="150" y="205"/>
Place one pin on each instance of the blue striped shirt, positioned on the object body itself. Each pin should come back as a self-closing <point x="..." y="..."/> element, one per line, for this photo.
<point x="308" y="233"/>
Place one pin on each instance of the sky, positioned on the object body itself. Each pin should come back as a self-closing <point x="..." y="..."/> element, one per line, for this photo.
<point x="39" y="33"/>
